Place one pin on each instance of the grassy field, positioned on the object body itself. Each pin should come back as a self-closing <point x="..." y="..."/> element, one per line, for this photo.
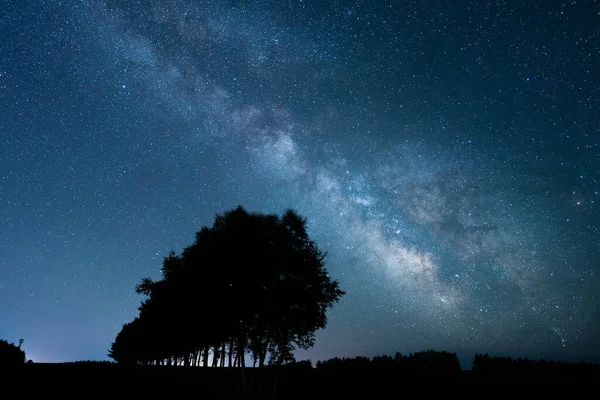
<point x="100" y="380"/>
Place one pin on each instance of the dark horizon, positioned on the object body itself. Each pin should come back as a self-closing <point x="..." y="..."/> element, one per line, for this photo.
<point x="465" y="357"/>
<point x="445" y="156"/>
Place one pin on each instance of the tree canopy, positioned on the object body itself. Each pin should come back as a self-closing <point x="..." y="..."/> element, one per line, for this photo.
<point x="252" y="283"/>
<point x="11" y="355"/>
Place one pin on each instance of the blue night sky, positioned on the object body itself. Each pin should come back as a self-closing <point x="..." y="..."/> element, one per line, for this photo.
<point x="446" y="155"/>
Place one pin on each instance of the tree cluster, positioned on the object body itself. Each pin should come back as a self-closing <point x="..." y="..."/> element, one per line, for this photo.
<point x="485" y="363"/>
<point x="10" y="354"/>
<point x="252" y="283"/>
<point x="430" y="360"/>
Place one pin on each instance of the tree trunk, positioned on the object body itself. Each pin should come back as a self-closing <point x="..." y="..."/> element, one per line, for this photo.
<point x="215" y="359"/>
<point x="263" y="353"/>
<point x="242" y="357"/>
<point x="242" y="363"/>
<point x="239" y="356"/>
<point x="223" y="353"/>
<point x="205" y="357"/>
<point x="261" y="359"/>
<point x="230" y="353"/>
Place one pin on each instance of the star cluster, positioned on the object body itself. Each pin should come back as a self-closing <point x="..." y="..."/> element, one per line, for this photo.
<point x="445" y="154"/>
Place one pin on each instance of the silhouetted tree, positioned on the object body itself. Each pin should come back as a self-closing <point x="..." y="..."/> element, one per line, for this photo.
<point x="383" y="362"/>
<point x="11" y="355"/>
<point x="431" y="360"/>
<point x="250" y="283"/>
<point x="299" y="365"/>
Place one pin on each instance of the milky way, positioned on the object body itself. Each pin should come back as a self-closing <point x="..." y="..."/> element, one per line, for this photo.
<point x="446" y="157"/>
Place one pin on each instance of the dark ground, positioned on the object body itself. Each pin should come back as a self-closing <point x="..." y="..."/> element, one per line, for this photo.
<point x="100" y="380"/>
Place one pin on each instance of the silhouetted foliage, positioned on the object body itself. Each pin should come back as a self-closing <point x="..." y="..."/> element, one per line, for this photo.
<point x="345" y="362"/>
<point x="429" y="361"/>
<point x="485" y="363"/>
<point x="299" y="365"/>
<point x="11" y="355"/>
<point x="252" y="283"/>
<point x="434" y="360"/>
<point x="88" y="362"/>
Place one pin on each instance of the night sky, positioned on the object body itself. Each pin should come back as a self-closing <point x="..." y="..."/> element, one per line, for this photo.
<point x="445" y="153"/>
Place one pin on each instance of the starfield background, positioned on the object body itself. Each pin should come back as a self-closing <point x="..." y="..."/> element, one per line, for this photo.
<point x="446" y="155"/>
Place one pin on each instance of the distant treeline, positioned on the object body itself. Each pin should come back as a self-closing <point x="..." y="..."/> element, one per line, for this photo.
<point x="430" y="360"/>
<point x="485" y="363"/>
<point x="89" y="362"/>
<point x="443" y="361"/>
